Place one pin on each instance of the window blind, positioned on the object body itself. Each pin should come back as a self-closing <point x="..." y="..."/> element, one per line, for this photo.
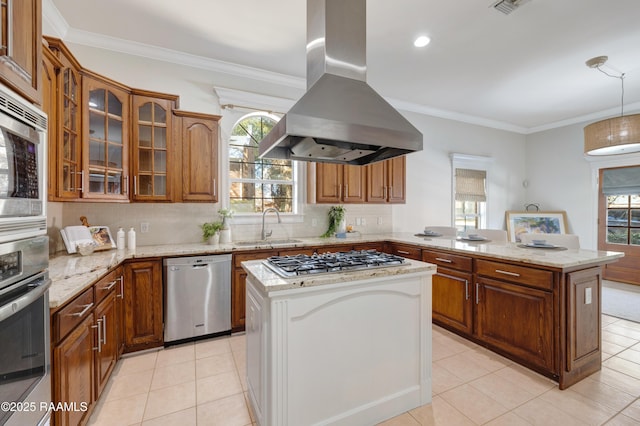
<point x="470" y="185"/>
<point x="621" y="181"/>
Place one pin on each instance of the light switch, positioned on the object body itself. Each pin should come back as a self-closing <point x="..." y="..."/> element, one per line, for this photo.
<point x="587" y="296"/>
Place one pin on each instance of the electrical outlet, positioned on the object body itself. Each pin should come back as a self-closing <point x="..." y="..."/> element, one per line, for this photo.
<point x="144" y="227"/>
<point x="363" y="221"/>
<point x="314" y="222"/>
<point x="358" y="221"/>
<point x="379" y="220"/>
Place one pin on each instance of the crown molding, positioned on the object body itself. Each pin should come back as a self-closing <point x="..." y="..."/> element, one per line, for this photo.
<point x="53" y="20"/>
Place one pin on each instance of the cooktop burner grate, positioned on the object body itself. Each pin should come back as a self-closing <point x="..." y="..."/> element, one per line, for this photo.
<point x="302" y="264"/>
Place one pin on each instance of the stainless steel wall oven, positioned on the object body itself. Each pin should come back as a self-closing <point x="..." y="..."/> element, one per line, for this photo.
<point x="23" y="132"/>
<point x="25" y="381"/>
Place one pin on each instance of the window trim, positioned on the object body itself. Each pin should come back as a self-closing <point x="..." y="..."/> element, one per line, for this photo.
<point x="299" y="177"/>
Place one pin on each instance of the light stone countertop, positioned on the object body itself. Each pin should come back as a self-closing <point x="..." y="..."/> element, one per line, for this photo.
<point x="271" y="281"/>
<point x="71" y="274"/>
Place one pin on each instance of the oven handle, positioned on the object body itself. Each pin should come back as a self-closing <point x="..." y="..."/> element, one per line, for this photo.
<point x="22" y="302"/>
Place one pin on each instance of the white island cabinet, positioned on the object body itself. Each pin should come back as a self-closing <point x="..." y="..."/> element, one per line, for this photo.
<point x="350" y="348"/>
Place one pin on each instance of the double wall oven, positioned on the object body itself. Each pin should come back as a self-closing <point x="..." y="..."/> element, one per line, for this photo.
<point x="25" y="382"/>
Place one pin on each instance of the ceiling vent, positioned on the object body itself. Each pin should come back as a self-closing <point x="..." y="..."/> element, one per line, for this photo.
<point x="508" y="6"/>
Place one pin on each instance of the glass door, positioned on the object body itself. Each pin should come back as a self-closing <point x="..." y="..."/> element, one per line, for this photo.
<point x="152" y="135"/>
<point x="70" y="150"/>
<point x="105" y="158"/>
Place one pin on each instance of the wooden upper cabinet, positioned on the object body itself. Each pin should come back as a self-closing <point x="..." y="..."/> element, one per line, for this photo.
<point x="105" y="157"/>
<point x="151" y="146"/>
<point x="65" y="124"/>
<point x="198" y="134"/>
<point x="21" y="47"/>
<point x="50" y="68"/>
<point x="386" y="181"/>
<point x="338" y="183"/>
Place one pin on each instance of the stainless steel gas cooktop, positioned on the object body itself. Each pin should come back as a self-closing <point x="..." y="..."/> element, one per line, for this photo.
<point x="302" y="264"/>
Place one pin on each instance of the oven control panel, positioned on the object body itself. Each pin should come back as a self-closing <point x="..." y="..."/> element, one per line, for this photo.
<point x="10" y="265"/>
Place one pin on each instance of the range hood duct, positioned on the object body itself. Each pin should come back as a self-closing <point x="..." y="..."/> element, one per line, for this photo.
<point x="340" y="119"/>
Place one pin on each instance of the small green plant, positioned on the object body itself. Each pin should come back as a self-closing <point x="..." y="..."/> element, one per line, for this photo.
<point x="226" y="212"/>
<point x="336" y="215"/>
<point x="209" y="229"/>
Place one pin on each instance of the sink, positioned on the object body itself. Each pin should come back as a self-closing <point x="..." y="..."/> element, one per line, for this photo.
<point x="266" y="242"/>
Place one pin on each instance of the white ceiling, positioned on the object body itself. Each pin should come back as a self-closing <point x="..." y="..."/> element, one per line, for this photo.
<point x="524" y="71"/>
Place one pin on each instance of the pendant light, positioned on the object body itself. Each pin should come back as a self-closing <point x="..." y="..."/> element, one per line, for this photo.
<point x="618" y="135"/>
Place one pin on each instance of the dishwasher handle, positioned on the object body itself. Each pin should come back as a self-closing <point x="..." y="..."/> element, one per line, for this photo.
<point x="200" y="266"/>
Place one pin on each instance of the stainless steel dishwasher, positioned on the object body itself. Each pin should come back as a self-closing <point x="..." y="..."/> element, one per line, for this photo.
<point x="197" y="297"/>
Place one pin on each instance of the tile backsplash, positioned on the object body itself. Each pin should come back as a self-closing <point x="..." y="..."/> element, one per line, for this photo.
<point x="179" y="222"/>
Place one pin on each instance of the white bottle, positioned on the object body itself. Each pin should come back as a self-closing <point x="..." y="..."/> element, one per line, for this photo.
<point x="120" y="239"/>
<point x="131" y="237"/>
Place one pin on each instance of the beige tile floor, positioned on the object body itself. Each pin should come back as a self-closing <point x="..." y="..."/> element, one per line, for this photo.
<point x="203" y="383"/>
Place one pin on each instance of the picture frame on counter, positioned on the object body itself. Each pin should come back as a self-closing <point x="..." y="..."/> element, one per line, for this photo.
<point x="521" y="222"/>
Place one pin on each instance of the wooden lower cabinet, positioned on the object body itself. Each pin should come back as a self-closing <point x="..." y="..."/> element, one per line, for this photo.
<point x="106" y="356"/>
<point x="452" y="299"/>
<point x="85" y="348"/>
<point x="452" y="290"/>
<point x="238" y="286"/>
<point x="143" y="322"/>
<point x="516" y="319"/>
<point x="73" y="373"/>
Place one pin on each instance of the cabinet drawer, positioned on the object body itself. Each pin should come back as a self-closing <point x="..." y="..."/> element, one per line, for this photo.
<point x="410" y="252"/>
<point x="243" y="257"/>
<point x="296" y="251"/>
<point x="517" y="274"/>
<point x="106" y="285"/>
<point x="67" y="318"/>
<point x="461" y="263"/>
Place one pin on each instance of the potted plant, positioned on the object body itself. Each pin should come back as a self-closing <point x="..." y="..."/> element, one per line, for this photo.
<point x="211" y="232"/>
<point x="225" y="235"/>
<point x="336" y="221"/>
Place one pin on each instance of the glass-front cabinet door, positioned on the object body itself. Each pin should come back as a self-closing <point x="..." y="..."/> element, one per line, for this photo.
<point x="106" y="124"/>
<point x="70" y="169"/>
<point x="151" y="147"/>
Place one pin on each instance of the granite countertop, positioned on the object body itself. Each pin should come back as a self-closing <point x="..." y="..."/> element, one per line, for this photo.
<point x="271" y="281"/>
<point x="71" y="274"/>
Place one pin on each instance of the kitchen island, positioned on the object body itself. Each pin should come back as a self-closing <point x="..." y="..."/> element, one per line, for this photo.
<point x="338" y="348"/>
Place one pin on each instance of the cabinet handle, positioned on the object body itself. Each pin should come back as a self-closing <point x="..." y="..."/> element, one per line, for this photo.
<point x="81" y="181"/>
<point x="346" y="191"/>
<point x="215" y="189"/>
<point x="466" y="290"/>
<point x="110" y="286"/>
<point x="99" y="327"/>
<point x="135" y="184"/>
<point x="104" y="329"/>
<point x="121" y="279"/>
<point x="477" y="293"/>
<point x="83" y="311"/>
<point x="126" y="185"/>
<point x="444" y="260"/>
<point x="384" y="192"/>
<point x="512" y="274"/>
<point x="402" y="252"/>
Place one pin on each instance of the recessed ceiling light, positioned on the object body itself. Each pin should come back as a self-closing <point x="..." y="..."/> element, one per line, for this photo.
<point x="422" y="41"/>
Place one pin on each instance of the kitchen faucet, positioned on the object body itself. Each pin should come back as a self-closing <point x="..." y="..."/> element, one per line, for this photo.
<point x="266" y="234"/>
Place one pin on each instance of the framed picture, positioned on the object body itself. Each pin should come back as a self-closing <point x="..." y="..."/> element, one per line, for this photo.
<point x="102" y="237"/>
<point x="535" y="223"/>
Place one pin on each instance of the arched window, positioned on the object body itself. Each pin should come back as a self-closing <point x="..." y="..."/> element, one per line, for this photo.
<point x="257" y="184"/>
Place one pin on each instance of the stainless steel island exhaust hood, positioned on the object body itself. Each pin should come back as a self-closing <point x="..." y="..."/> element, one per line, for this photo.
<point x="340" y="119"/>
